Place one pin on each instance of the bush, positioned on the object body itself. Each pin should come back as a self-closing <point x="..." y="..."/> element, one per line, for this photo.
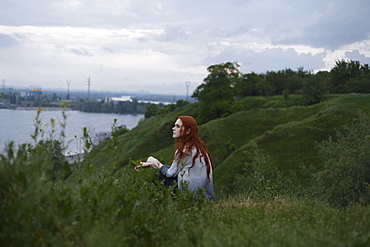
<point x="346" y="176"/>
<point x="258" y="177"/>
<point x="44" y="201"/>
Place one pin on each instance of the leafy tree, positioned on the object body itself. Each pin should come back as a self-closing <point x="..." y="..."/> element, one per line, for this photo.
<point x="277" y="81"/>
<point x="151" y="110"/>
<point x="357" y="85"/>
<point x="216" y="95"/>
<point x="342" y="72"/>
<point x="346" y="177"/>
<point x="265" y="88"/>
<point x="324" y="78"/>
<point x="313" y="92"/>
<point x="181" y="103"/>
<point x="248" y="85"/>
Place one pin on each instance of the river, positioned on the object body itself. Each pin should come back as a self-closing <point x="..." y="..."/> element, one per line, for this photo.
<point x="18" y="125"/>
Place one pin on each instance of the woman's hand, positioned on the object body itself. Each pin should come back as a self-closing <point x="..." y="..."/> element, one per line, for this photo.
<point x="150" y="162"/>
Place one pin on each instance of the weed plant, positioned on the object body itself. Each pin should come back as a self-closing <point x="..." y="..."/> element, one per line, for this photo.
<point x="80" y="204"/>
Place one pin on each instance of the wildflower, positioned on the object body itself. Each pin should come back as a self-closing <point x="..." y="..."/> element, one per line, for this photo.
<point x="367" y="185"/>
<point x="40" y="109"/>
<point x="64" y="104"/>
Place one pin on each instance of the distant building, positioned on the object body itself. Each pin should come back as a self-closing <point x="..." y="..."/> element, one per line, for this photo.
<point x="130" y="99"/>
<point x="34" y="91"/>
<point x="117" y="99"/>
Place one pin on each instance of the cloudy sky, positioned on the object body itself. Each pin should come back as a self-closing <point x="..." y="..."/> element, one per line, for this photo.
<point x="158" y="45"/>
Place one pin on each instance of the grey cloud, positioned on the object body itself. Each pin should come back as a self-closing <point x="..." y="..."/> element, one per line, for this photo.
<point x="355" y="55"/>
<point x="269" y="60"/>
<point x="6" y="40"/>
<point x="81" y="52"/>
<point x="174" y="33"/>
<point x="340" y="23"/>
<point x="189" y="31"/>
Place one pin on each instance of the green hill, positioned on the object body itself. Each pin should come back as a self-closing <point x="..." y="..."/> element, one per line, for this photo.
<point x="45" y="201"/>
<point x="287" y="131"/>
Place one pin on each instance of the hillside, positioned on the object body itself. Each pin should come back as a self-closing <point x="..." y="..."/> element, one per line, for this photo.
<point x="287" y="131"/>
<point x="264" y="196"/>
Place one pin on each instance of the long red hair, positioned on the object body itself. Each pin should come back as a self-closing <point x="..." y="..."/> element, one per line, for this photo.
<point x="188" y="140"/>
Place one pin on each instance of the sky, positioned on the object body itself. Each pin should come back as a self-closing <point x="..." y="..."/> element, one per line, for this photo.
<point x="157" y="46"/>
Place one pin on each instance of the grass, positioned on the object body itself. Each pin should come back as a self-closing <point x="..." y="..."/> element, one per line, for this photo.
<point x="47" y="202"/>
<point x="289" y="135"/>
<point x="287" y="130"/>
<point x="95" y="207"/>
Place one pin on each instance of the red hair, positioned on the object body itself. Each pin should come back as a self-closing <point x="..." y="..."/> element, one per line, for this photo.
<point x="188" y="140"/>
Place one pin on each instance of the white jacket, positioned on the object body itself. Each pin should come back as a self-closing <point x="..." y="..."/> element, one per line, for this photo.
<point x="196" y="177"/>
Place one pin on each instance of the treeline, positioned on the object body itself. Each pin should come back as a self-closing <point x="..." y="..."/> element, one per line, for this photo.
<point x="344" y="77"/>
<point x="121" y="107"/>
<point x="225" y="84"/>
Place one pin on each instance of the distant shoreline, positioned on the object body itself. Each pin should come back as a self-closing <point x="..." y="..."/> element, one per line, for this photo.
<point x="43" y="108"/>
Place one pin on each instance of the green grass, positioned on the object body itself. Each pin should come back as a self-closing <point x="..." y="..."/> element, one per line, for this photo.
<point x="100" y="205"/>
<point x="95" y="207"/>
<point x="250" y="103"/>
<point x="287" y="130"/>
<point x="98" y="208"/>
<point x="293" y="144"/>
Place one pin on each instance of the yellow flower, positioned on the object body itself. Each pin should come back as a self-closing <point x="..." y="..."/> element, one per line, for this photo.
<point x="64" y="104"/>
<point x="40" y="109"/>
<point x="52" y="120"/>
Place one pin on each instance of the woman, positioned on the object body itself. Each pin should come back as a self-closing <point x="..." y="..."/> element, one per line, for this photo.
<point x="191" y="163"/>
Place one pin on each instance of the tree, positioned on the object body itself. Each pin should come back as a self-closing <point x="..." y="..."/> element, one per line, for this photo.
<point x="313" y="91"/>
<point x="248" y="85"/>
<point x="342" y="72"/>
<point x="278" y="81"/>
<point x="151" y="110"/>
<point x="216" y="95"/>
<point x="324" y="78"/>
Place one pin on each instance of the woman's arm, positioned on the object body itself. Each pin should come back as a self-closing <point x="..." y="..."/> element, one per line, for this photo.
<point x="170" y="171"/>
<point x="150" y="162"/>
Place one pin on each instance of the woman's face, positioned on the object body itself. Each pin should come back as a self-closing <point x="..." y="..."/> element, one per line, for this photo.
<point x="176" y="130"/>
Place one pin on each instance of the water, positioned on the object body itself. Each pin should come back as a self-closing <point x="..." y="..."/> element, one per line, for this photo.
<point x="18" y="125"/>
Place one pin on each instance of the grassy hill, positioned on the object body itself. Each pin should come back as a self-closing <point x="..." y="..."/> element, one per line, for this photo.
<point x="286" y="130"/>
<point x="44" y="201"/>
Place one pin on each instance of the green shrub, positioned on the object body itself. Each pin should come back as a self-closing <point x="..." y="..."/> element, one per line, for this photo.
<point x="259" y="177"/>
<point x="346" y="176"/>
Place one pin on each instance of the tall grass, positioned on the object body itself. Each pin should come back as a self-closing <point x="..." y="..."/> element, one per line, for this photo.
<point x="44" y="201"/>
